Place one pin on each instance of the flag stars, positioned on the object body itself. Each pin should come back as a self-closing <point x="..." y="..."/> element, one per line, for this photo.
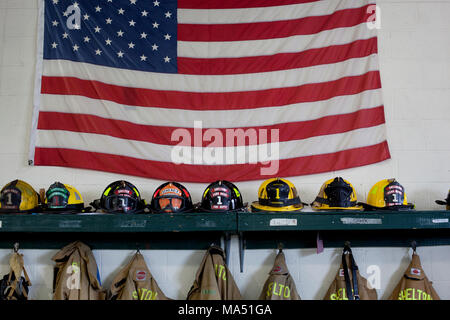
<point x="65" y="35"/>
<point x="120" y="54"/>
<point x="156" y="3"/>
<point x="155" y="24"/>
<point x="167" y="36"/>
<point x="144" y="13"/>
<point x="108" y="21"/>
<point x="97" y="29"/>
<point x="75" y="47"/>
<point x="143" y="58"/>
<point x="131" y="45"/>
<point x="75" y="5"/>
<point x="168" y="14"/>
<point x="54" y="45"/>
<point x="132" y="23"/>
<point x="121" y="11"/>
<point x="55" y="1"/>
<point x="166" y="59"/>
<point x="86" y="17"/>
<point x="87" y="39"/>
<point x="108" y="42"/>
<point x="98" y="52"/>
<point x="154" y="47"/>
<point x="98" y="9"/>
<point x="120" y="33"/>
<point x="143" y="35"/>
<point x="55" y="23"/>
<point x="133" y="1"/>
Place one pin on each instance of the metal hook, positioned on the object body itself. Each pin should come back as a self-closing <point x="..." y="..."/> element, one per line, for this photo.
<point x="280" y="247"/>
<point x="414" y="245"/>
<point x="16" y="247"/>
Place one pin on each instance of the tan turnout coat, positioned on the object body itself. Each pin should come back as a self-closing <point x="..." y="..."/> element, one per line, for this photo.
<point x="279" y="285"/>
<point x="135" y="282"/>
<point x="414" y="285"/>
<point x="213" y="280"/>
<point x="75" y="274"/>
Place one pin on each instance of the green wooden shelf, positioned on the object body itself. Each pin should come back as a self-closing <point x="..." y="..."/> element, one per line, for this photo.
<point x="118" y="231"/>
<point x="121" y="223"/>
<point x="389" y="220"/>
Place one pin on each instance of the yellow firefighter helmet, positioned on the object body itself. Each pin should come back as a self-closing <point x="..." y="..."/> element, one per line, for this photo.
<point x="18" y="196"/>
<point x="336" y="194"/>
<point x="277" y="194"/>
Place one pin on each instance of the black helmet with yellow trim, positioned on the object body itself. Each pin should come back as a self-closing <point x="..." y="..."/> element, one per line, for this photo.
<point x="63" y="198"/>
<point x="19" y="196"/>
<point x="222" y="196"/>
<point x="336" y="194"/>
<point x="277" y="194"/>
<point x="171" y="197"/>
<point x="120" y="197"/>
<point x="445" y="202"/>
<point x="387" y="194"/>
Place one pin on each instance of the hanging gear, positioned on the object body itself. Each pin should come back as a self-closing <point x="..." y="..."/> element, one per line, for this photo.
<point x="213" y="280"/>
<point x="349" y="285"/>
<point x="120" y="197"/>
<point x="76" y="275"/>
<point x="414" y="284"/>
<point x="222" y="196"/>
<point x="336" y="194"/>
<point x="387" y="194"/>
<point x="14" y="286"/>
<point x="135" y="282"/>
<point x="279" y="285"/>
<point x="63" y="198"/>
<point x="277" y="194"/>
<point x="171" y="197"/>
<point x="19" y="196"/>
<point x="445" y="202"/>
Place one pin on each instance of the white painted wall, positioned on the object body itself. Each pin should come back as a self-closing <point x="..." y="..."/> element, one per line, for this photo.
<point x="415" y="68"/>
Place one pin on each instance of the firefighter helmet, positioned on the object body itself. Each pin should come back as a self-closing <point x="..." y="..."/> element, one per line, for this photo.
<point x="171" y="197"/>
<point x="120" y="197"/>
<point x="336" y="194"/>
<point x="221" y="196"/>
<point x="19" y="196"/>
<point x="63" y="198"/>
<point x="445" y="202"/>
<point x="277" y="194"/>
<point x="387" y="194"/>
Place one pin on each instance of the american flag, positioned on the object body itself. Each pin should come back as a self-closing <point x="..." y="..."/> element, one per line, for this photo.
<point x="295" y="81"/>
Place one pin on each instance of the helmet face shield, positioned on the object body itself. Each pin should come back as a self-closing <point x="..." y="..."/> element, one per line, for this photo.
<point x="339" y="194"/>
<point x="120" y="203"/>
<point x="171" y="197"/>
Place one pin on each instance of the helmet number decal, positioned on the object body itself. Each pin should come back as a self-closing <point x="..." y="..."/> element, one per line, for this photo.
<point x="9" y="199"/>
<point x="278" y="193"/>
<point x="219" y="202"/>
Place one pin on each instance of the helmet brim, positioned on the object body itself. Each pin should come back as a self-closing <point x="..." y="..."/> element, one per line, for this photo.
<point x="257" y="207"/>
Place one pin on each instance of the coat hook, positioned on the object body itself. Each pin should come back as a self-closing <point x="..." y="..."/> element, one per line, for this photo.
<point x="414" y="245"/>
<point x="280" y="247"/>
<point x="16" y="247"/>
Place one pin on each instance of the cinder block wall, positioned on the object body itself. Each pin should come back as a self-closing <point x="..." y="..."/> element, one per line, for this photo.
<point x="415" y="69"/>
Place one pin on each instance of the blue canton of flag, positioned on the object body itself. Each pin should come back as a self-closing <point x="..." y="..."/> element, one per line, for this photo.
<point x="130" y="34"/>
